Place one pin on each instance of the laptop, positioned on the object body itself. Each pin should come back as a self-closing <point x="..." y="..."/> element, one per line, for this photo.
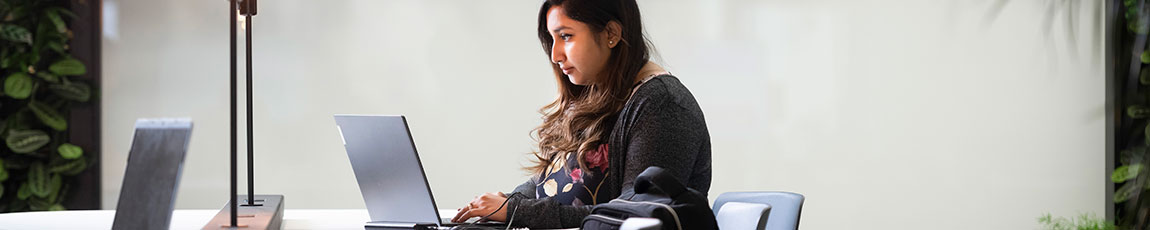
<point x="155" y="161"/>
<point x="390" y="175"/>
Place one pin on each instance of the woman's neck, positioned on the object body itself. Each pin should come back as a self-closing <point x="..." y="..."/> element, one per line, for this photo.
<point x="648" y="70"/>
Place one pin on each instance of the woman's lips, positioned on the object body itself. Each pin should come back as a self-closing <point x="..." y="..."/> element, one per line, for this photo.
<point x="568" y="70"/>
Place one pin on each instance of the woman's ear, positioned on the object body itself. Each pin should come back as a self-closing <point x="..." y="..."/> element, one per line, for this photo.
<point x="614" y="33"/>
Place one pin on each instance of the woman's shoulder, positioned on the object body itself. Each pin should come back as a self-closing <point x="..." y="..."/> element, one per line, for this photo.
<point x="662" y="107"/>
<point x="666" y="88"/>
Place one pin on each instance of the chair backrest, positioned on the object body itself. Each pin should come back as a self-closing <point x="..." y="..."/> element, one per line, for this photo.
<point x="786" y="207"/>
<point x="739" y="215"/>
<point x="641" y="223"/>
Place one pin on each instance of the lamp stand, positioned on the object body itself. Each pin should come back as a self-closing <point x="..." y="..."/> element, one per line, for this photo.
<point x="256" y="211"/>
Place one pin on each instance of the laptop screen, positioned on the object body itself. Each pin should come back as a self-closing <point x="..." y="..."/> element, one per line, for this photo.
<point x="387" y="169"/>
<point x="156" y="158"/>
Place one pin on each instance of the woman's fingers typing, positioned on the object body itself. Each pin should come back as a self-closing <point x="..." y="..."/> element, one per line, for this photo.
<point x="482" y="206"/>
<point x="458" y="215"/>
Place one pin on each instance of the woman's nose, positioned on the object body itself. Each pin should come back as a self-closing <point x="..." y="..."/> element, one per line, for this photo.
<point x="557" y="54"/>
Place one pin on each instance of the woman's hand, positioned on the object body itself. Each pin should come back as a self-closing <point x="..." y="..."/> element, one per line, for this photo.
<point x="482" y="206"/>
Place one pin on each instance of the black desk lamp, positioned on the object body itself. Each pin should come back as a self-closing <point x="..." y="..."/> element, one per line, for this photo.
<point x="256" y="211"/>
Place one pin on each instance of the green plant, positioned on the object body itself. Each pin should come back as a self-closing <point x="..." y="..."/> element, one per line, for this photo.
<point x="1131" y="74"/>
<point x="1083" y="222"/>
<point x="41" y="82"/>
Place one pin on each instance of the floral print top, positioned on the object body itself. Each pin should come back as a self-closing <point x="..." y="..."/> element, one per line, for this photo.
<point x="568" y="184"/>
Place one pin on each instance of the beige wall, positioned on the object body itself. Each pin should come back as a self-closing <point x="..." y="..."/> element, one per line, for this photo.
<point x="887" y="114"/>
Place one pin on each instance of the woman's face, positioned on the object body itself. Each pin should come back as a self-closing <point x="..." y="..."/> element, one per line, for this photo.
<point x="578" y="51"/>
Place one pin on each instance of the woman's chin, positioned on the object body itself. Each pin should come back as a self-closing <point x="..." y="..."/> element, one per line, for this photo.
<point x="576" y="80"/>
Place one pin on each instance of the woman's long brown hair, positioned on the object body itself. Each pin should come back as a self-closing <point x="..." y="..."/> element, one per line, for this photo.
<point x="581" y="117"/>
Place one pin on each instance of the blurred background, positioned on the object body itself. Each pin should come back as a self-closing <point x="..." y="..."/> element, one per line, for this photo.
<point x="885" y="114"/>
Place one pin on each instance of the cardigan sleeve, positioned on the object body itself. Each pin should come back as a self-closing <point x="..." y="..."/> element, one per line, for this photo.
<point x="542" y="213"/>
<point x="663" y="132"/>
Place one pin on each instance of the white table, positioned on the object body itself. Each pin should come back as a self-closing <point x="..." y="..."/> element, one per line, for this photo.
<point x="186" y="219"/>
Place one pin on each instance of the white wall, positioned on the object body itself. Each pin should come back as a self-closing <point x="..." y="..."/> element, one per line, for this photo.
<point x="886" y="114"/>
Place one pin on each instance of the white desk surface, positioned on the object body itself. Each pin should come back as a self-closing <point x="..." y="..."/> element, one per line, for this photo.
<point x="186" y="219"/>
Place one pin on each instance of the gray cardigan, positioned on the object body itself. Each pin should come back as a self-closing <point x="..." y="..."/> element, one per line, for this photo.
<point x="660" y="125"/>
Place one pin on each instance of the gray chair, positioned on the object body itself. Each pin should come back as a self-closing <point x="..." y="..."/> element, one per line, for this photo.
<point x="785" y="207"/>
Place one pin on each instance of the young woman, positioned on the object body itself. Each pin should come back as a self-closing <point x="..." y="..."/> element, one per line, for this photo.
<point x="617" y="114"/>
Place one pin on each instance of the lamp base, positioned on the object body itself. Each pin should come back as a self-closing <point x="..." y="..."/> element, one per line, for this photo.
<point x="268" y="213"/>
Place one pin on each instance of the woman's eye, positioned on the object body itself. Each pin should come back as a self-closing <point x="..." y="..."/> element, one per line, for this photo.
<point x="565" y="37"/>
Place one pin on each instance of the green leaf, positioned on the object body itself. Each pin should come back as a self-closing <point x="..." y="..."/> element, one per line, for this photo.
<point x="1125" y="192"/>
<point x="63" y="11"/>
<point x="38" y="204"/>
<point x="1144" y="76"/>
<point x="39" y="180"/>
<point x="57" y="207"/>
<point x="19" y="85"/>
<point x="1083" y="222"/>
<point x="1138" y="111"/>
<point x="54" y="17"/>
<point x="48" y="115"/>
<point x="54" y="185"/>
<point x="70" y="168"/>
<point x="1126" y="172"/>
<point x="15" y="33"/>
<point x="70" y="151"/>
<point x="16" y="164"/>
<point x="76" y="91"/>
<point x="3" y="172"/>
<point x="48" y="77"/>
<point x="26" y="141"/>
<point x="1132" y="155"/>
<point x="56" y="46"/>
<point x="68" y="67"/>
<point x="24" y="192"/>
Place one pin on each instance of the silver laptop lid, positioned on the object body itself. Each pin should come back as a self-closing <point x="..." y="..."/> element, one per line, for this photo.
<point x="152" y="176"/>
<point x="387" y="168"/>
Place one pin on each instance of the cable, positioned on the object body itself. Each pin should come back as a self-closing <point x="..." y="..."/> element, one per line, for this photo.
<point x="509" y="197"/>
<point x="485" y="218"/>
<point x="512" y="218"/>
